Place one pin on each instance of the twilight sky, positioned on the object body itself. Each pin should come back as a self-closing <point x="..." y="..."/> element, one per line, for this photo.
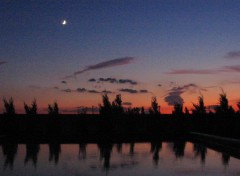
<point x="174" y="50"/>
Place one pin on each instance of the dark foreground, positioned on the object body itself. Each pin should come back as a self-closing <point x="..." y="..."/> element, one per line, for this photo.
<point x="95" y="128"/>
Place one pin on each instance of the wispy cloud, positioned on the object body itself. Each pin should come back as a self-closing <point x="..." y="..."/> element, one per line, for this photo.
<point x="67" y="90"/>
<point x="193" y="71"/>
<point x="224" y="69"/>
<point x="106" y="64"/>
<point x="64" y="82"/>
<point x="233" y="68"/>
<point x="233" y="55"/>
<point x="2" y="62"/>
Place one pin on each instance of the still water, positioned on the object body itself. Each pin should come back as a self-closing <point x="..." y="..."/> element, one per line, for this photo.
<point x="158" y="158"/>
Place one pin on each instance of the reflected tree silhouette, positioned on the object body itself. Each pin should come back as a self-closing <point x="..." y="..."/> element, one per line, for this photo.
<point x="9" y="151"/>
<point x="105" y="154"/>
<point x="54" y="152"/>
<point x="82" y="154"/>
<point x="131" y="150"/>
<point x="119" y="148"/>
<point x="32" y="151"/>
<point x="155" y="149"/>
<point x="178" y="148"/>
<point x="225" y="159"/>
<point x="200" y="150"/>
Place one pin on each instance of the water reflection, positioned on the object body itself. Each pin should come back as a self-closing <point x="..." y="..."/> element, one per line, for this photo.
<point x="32" y="151"/>
<point x="108" y="157"/>
<point x="82" y="151"/>
<point x="9" y="151"/>
<point x="105" y="154"/>
<point x="54" y="152"/>
<point x="200" y="150"/>
<point x="155" y="149"/>
<point x="225" y="159"/>
<point x="178" y="148"/>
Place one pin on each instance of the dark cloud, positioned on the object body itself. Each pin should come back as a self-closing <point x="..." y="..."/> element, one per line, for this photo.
<point x="120" y="81"/>
<point x="110" y="80"/>
<point x="2" y="62"/>
<point x="159" y="85"/>
<point x="132" y="91"/>
<point x="143" y="91"/>
<point x="124" y="81"/>
<point x="174" y="95"/>
<point x="67" y="90"/>
<point x="56" y="87"/>
<point x="106" y="64"/>
<point x="93" y="91"/>
<point x="92" y="80"/>
<point x="233" y="55"/>
<point x="64" y="82"/>
<point x="107" y="91"/>
<point x="127" y="103"/>
<point x="81" y="90"/>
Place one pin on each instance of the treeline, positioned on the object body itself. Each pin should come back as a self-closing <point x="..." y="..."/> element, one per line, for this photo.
<point x="116" y="107"/>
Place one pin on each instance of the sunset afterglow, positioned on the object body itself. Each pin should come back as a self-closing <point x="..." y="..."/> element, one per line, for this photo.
<point x="74" y="51"/>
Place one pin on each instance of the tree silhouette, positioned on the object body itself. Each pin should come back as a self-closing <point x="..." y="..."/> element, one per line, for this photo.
<point x="53" y="109"/>
<point x="9" y="106"/>
<point x="133" y="111"/>
<point x="31" y="109"/>
<point x="117" y="107"/>
<point x="224" y="108"/>
<point x="178" y="109"/>
<point x="106" y="108"/>
<point x="155" y="108"/>
<point x="238" y="105"/>
<point x="186" y="111"/>
<point x="111" y="108"/>
<point x="199" y="108"/>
